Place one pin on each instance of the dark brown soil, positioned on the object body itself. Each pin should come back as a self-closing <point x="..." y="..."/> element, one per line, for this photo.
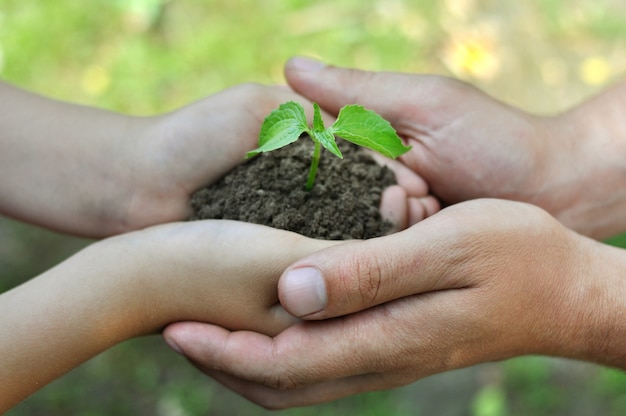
<point x="269" y="190"/>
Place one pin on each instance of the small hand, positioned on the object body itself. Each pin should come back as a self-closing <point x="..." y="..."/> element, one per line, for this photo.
<point x="208" y="271"/>
<point x="180" y="152"/>
<point x="95" y="173"/>
<point x="135" y="284"/>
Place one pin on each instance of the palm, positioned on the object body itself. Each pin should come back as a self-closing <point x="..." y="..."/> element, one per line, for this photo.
<point x="467" y="145"/>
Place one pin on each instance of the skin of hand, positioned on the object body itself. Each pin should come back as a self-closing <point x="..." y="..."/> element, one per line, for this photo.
<point x="90" y="172"/>
<point x="95" y="173"/>
<point x="478" y="281"/>
<point x="468" y="145"/>
<point x="135" y="284"/>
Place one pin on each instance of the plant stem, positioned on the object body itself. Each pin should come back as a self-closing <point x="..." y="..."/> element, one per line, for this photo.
<point x="313" y="171"/>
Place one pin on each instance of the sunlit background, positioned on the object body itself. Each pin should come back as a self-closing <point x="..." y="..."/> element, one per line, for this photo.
<point x="149" y="56"/>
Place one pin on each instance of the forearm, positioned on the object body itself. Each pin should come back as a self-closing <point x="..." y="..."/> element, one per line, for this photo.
<point x="222" y="272"/>
<point x="60" y="319"/>
<point x="592" y="198"/>
<point x="60" y="161"/>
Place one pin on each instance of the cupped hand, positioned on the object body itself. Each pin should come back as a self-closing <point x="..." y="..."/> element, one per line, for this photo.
<point x="466" y="144"/>
<point x="479" y="281"/>
<point x="180" y="152"/>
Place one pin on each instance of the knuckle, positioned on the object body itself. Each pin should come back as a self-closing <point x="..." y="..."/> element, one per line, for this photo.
<point x="365" y="278"/>
<point x="284" y="376"/>
<point x="280" y="381"/>
<point x="365" y="79"/>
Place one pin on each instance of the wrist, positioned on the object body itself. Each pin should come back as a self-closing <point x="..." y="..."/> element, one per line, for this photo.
<point x="596" y="307"/>
<point x="586" y="173"/>
<point x="65" y="166"/>
<point x="612" y="317"/>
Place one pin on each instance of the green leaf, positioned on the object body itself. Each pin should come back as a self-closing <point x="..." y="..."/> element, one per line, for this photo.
<point x="281" y="127"/>
<point x="327" y="139"/>
<point x="318" y="123"/>
<point x="322" y="134"/>
<point x="364" y="127"/>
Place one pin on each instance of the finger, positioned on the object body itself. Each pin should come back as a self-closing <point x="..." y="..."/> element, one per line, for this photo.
<point x="402" y="211"/>
<point x="357" y="275"/>
<point x="413" y="184"/>
<point x="383" y="347"/>
<point x="274" y="399"/>
<point x="408" y="202"/>
<point x="277" y="362"/>
<point x="394" y="207"/>
<point x="334" y="87"/>
<point x="421" y="208"/>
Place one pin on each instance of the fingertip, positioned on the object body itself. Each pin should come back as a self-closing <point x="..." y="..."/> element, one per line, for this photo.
<point x="304" y="64"/>
<point x="318" y="82"/>
<point x="281" y="319"/>
<point x="431" y="204"/>
<point x="176" y="330"/>
<point x="186" y="337"/>
<point x="413" y="184"/>
<point x="171" y="342"/>
<point x="422" y="208"/>
<point x="393" y="207"/>
<point x="302" y="75"/>
<point x="175" y="334"/>
<point x="302" y="291"/>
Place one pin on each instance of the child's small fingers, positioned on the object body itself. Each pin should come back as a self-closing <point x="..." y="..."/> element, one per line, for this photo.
<point x="412" y="183"/>
<point x="421" y="208"/>
<point x="393" y="207"/>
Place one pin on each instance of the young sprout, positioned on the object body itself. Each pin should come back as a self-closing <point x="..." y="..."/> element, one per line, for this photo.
<point x="354" y="124"/>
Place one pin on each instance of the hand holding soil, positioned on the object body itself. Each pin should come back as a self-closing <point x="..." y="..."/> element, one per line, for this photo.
<point x="426" y="299"/>
<point x="479" y="281"/>
<point x="343" y="205"/>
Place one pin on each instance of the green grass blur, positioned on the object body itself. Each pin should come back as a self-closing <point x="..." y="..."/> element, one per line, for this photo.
<point x="150" y="56"/>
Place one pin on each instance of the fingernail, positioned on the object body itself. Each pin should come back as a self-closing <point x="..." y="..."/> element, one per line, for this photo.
<point x="300" y="63"/>
<point x="173" y="345"/>
<point x="303" y="291"/>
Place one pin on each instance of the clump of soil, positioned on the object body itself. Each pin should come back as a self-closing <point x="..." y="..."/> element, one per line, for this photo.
<point x="269" y="190"/>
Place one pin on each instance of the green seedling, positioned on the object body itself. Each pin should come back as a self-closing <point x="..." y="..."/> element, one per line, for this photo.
<point x="354" y="123"/>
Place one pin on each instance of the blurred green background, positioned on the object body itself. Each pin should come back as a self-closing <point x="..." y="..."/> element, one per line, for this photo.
<point x="149" y="56"/>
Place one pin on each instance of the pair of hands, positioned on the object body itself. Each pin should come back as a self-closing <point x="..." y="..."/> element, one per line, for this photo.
<point x="420" y="301"/>
<point x="479" y="281"/>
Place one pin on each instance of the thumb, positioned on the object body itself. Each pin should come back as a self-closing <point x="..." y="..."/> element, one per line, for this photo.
<point x="357" y="275"/>
<point x="334" y="87"/>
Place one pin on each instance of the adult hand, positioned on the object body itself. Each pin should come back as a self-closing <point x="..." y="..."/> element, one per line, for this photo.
<point x="468" y="145"/>
<point x="479" y="281"/>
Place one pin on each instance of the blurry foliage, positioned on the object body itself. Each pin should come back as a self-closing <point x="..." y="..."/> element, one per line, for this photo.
<point x="490" y="401"/>
<point x="151" y="56"/>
